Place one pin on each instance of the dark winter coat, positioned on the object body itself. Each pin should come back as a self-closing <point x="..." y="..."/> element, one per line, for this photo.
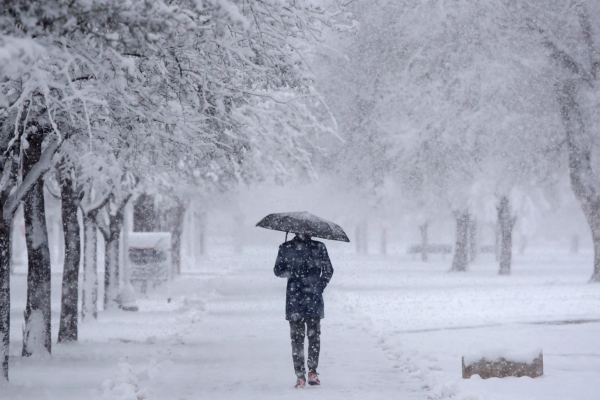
<point x="306" y="265"/>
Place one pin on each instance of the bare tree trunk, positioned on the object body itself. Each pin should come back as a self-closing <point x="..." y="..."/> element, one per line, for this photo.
<point x="8" y="168"/>
<point x="35" y="163"/>
<point x="89" y="290"/>
<point x="5" y="267"/>
<point x="202" y="233"/>
<point x="506" y="222"/>
<point x="461" y="255"/>
<point x="472" y="239"/>
<point x="596" y="238"/>
<point x="36" y="332"/>
<point x="4" y="296"/>
<point x="178" y="214"/>
<point x="424" y="241"/>
<point x="111" y="273"/>
<point x="68" y="330"/>
<point x="112" y="239"/>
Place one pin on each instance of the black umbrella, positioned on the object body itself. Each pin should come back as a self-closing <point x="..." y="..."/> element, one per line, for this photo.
<point x="304" y="223"/>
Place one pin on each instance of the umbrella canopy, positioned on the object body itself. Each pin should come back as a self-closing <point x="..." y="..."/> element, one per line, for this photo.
<point x="304" y="223"/>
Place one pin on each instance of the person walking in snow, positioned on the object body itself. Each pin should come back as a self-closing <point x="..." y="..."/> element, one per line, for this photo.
<point x="306" y="265"/>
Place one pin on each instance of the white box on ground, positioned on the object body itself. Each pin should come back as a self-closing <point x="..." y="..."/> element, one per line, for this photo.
<point x="149" y="256"/>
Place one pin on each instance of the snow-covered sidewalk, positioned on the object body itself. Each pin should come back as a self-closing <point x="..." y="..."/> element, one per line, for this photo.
<point x="241" y="350"/>
<point x="221" y="336"/>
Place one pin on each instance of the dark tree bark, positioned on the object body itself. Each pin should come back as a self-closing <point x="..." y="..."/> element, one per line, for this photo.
<point x="461" y="252"/>
<point x="111" y="271"/>
<point x="111" y="265"/>
<point x="37" y="310"/>
<point x="424" y="241"/>
<point x="178" y="214"/>
<point x="506" y="222"/>
<point x="4" y="296"/>
<point x="112" y="235"/>
<point x="5" y="257"/>
<point x="68" y="330"/>
<point x="472" y="239"/>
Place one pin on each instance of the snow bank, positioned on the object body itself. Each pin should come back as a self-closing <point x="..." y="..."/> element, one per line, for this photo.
<point x="129" y="384"/>
<point x="124" y="386"/>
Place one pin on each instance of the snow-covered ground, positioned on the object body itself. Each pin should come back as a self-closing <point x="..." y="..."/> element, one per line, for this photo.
<point x="395" y="328"/>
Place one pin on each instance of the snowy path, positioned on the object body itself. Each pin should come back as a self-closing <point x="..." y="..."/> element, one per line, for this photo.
<point x="394" y="329"/>
<point x="222" y="336"/>
<point x="241" y="350"/>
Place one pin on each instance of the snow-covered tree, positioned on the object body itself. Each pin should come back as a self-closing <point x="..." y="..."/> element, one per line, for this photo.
<point x="437" y="96"/>
<point x="568" y="33"/>
<point x="218" y="84"/>
<point x="71" y="196"/>
<point x="28" y="143"/>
